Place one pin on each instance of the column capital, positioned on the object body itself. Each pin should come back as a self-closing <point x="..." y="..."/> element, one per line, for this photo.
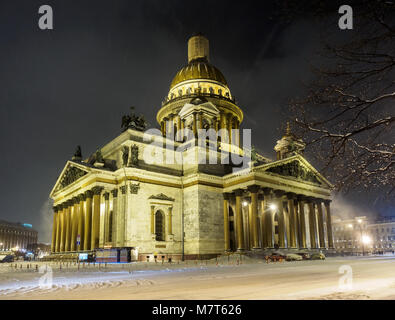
<point x="317" y="200"/>
<point x="238" y="192"/>
<point x="123" y="189"/>
<point x="266" y="191"/>
<point x="279" y="193"/>
<point x="75" y="200"/>
<point x="309" y="199"/>
<point x="60" y="206"/>
<point x="254" y="188"/>
<point x="114" y="192"/>
<point x="55" y="208"/>
<point x="226" y="195"/>
<point x="301" y="197"/>
<point x="69" y="203"/>
<point x="89" y="194"/>
<point x="81" y="197"/>
<point x="290" y="195"/>
<point x="97" y="190"/>
<point x="327" y="202"/>
<point x="106" y="196"/>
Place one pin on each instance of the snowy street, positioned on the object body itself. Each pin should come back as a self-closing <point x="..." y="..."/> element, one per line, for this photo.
<point x="372" y="278"/>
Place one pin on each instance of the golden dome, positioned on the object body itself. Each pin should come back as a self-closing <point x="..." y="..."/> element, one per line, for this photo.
<point x="198" y="69"/>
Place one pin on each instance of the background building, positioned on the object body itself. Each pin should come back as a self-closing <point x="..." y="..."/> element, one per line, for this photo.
<point x="382" y="232"/>
<point x="16" y="236"/>
<point x="360" y="234"/>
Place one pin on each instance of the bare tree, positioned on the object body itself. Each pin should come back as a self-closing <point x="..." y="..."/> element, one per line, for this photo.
<point x="347" y="116"/>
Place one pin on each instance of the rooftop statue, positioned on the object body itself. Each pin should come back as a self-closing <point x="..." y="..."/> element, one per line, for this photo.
<point x="133" y="121"/>
<point x="77" y="154"/>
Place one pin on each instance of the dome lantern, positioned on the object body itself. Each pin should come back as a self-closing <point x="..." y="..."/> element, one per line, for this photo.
<point x="198" y="47"/>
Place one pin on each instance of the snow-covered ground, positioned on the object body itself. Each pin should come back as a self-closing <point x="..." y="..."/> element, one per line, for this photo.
<point x="372" y="278"/>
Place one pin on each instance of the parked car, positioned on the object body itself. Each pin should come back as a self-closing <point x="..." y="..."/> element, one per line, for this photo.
<point x="304" y="255"/>
<point x="293" y="257"/>
<point x="277" y="256"/>
<point x="6" y="258"/>
<point x="317" y="256"/>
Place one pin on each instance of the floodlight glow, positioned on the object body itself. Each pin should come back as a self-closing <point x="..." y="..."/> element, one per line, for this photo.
<point x="359" y="220"/>
<point x="366" y="239"/>
<point x="350" y="226"/>
<point x="245" y="203"/>
<point x="273" y="206"/>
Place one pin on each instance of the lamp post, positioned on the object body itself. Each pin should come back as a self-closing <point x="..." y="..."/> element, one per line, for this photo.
<point x="362" y="238"/>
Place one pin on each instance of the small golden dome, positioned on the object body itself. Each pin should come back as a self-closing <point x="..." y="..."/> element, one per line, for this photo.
<point x="198" y="69"/>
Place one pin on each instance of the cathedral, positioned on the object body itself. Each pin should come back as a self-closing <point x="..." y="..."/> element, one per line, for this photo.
<point x="146" y="192"/>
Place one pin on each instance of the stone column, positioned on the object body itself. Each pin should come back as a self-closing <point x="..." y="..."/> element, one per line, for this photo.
<point x="239" y="221"/>
<point x="268" y="214"/>
<point x="221" y="121"/>
<point x="254" y="214"/>
<point x="106" y="219"/>
<point x="194" y="125"/>
<point x="115" y="213"/>
<point x="122" y="216"/>
<point x="81" y="222"/>
<point x="59" y="227"/>
<point x="88" y="220"/>
<point x="62" y="243"/>
<point x="165" y="126"/>
<point x="68" y="225"/>
<point x="281" y="220"/>
<point x="170" y="130"/>
<point x="200" y="120"/>
<point x="321" y="234"/>
<point x="328" y="224"/>
<point x="302" y="223"/>
<point x="152" y="221"/>
<point x="74" y="224"/>
<point x="170" y="222"/>
<point x="54" y="228"/>
<point x="182" y="134"/>
<point x="229" y="126"/>
<point x="179" y="130"/>
<point x="226" y="222"/>
<point x="96" y="217"/>
<point x="292" y="224"/>
<point x="312" y="224"/>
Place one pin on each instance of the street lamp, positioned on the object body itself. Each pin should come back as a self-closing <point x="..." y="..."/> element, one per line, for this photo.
<point x="364" y="239"/>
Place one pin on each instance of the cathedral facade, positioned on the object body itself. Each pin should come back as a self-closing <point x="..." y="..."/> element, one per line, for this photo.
<point x="146" y="190"/>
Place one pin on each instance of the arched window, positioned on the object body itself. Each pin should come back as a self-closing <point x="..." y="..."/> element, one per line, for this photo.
<point x="180" y="92"/>
<point x="220" y="92"/>
<point x="159" y="226"/>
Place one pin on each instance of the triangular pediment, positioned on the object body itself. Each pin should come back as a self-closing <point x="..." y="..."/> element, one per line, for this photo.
<point x="297" y="168"/>
<point x="161" y="196"/>
<point x="71" y="173"/>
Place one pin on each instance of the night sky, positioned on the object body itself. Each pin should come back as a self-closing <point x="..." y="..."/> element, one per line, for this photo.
<point x="70" y="86"/>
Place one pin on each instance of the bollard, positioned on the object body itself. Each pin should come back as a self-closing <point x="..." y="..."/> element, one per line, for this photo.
<point x="36" y="267"/>
<point x="60" y="267"/>
<point x="237" y="261"/>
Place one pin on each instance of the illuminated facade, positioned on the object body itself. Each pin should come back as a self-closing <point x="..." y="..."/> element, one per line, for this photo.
<point x="118" y="198"/>
<point x="15" y="236"/>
